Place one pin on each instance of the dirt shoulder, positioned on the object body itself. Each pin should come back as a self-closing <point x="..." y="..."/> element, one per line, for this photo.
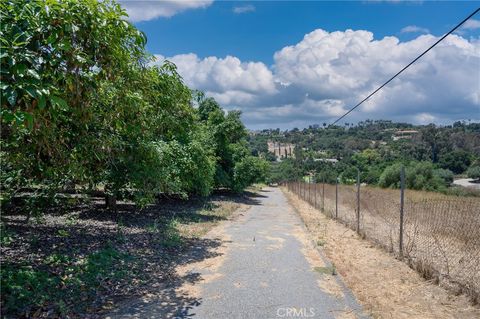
<point x="385" y="286"/>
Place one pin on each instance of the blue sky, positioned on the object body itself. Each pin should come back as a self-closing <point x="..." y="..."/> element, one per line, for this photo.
<point x="256" y="35"/>
<point x="287" y="64"/>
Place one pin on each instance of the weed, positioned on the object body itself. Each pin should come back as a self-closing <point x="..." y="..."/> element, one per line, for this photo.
<point x="63" y="233"/>
<point x="326" y="270"/>
<point x="6" y="236"/>
<point x="321" y="242"/>
<point x="172" y="236"/>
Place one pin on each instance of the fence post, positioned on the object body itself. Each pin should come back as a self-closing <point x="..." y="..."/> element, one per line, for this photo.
<point x="336" y="199"/>
<point x="402" y="194"/>
<point x="304" y="190"/>
<point x="358" y="201"/>
<point x="323" y="193"/>
<point x="315" y="190"/>
<point x="310" y="190"/>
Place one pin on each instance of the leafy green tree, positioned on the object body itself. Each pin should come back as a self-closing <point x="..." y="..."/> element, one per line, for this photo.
<point x="456" y="161"/>
<point x="285" y="170"/>
<point x="54" y="57"/>
<point x="81" y="106"/>
<point x="249" y="170"/>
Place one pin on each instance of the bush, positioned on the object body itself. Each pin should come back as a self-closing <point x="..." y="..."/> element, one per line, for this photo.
<point x="474" y="172"/>
<point x="418" y="175"/>
<point x="445" y="174"/>
<point x="390" y="177"/>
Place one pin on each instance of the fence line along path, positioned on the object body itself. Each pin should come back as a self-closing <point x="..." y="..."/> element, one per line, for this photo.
<point x="438" y="235"/>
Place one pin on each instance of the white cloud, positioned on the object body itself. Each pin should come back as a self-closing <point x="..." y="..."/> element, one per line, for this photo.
<point x="244" y="9"/>
<point x="414" y="29"/>
<point x="229" y="79"/>
<point x="320" y="77"/>
<point x="139" y="10"/>
<point x="424" y="118"/>
<point x="471" y="24"/>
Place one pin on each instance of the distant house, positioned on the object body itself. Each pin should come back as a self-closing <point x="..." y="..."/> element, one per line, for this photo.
<point x="406" y="134"/>
<point x="281" y="150"/>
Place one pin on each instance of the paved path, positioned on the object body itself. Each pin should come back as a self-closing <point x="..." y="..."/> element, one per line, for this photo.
<point x="268" y="270"/>
<point x="467" y="182"/>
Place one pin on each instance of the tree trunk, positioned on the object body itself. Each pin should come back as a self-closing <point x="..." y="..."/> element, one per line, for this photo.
<point x="111" y="202"/>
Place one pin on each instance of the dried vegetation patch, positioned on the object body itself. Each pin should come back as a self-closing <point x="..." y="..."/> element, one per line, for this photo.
<point x="385" y="286"/>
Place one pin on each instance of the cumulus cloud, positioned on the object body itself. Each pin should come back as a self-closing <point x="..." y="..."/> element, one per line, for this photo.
<point x="320" y="77"/>
<point x="414" y="29"/>
<point x="471" y="24"/>
<point x="139" y="10"/>
<point x="244" y="9"/>
<point x="228" y="79"/>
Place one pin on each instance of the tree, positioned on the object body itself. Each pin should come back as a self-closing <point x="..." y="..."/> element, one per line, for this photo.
<point x="56" y="58"/>
<point x="456" y="161"/>
<point x="82" y="106"/>
<point x="235" y="167"/>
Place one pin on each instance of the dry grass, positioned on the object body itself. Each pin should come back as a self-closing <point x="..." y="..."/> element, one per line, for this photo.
<point x="441" y="233"/>
<point x="385" y="286"/>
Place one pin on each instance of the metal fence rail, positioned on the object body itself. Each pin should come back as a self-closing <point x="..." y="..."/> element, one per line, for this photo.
<point x="437" y="235"/>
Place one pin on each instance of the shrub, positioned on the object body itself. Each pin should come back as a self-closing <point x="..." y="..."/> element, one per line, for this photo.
<point x="418" y="175"/>
<point x="390" y="177"/>
<point x="474" y="172"/>
<point x="445" y="174"/>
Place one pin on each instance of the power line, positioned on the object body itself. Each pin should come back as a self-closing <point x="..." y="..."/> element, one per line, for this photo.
<point x="399" y="72"/>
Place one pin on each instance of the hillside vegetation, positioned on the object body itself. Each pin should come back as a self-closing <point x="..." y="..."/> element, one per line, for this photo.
<point x="432" y="155"/>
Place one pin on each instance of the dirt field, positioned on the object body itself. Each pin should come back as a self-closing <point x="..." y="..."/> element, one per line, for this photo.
<point x="385" y="286"/>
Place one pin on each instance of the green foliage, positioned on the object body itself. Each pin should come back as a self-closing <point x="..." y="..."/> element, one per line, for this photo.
<point x="235" y="167"/>
<point x="445" y="174"/>
<point x="390" y="177"/>
<point x="172" y="236"/>
<point x="249" y="170"/>
<point x="285" y="170"/>
<point x="373" y="146"/>
<point x="6" y="237"/>
<point x="349" y="175"/>
<point x="81" y="105"/>
<point x="53" y="57"/>
<point x="73" y="284"/>
<point x="418" y="175"/>
<point x="474" y="172"/>
<point x="456" y="161"/>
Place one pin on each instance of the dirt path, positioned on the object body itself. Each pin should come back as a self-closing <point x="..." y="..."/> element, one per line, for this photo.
<point x="266" y="267"/>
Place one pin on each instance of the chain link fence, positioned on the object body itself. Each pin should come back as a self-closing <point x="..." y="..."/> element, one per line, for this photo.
<point x="440" y="236"/>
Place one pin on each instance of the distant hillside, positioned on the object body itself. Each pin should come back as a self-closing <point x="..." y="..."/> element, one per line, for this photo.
<point x="372" y="146"/>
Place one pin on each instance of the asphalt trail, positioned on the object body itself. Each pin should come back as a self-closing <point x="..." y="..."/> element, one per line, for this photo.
<point x="271" y="269"/>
